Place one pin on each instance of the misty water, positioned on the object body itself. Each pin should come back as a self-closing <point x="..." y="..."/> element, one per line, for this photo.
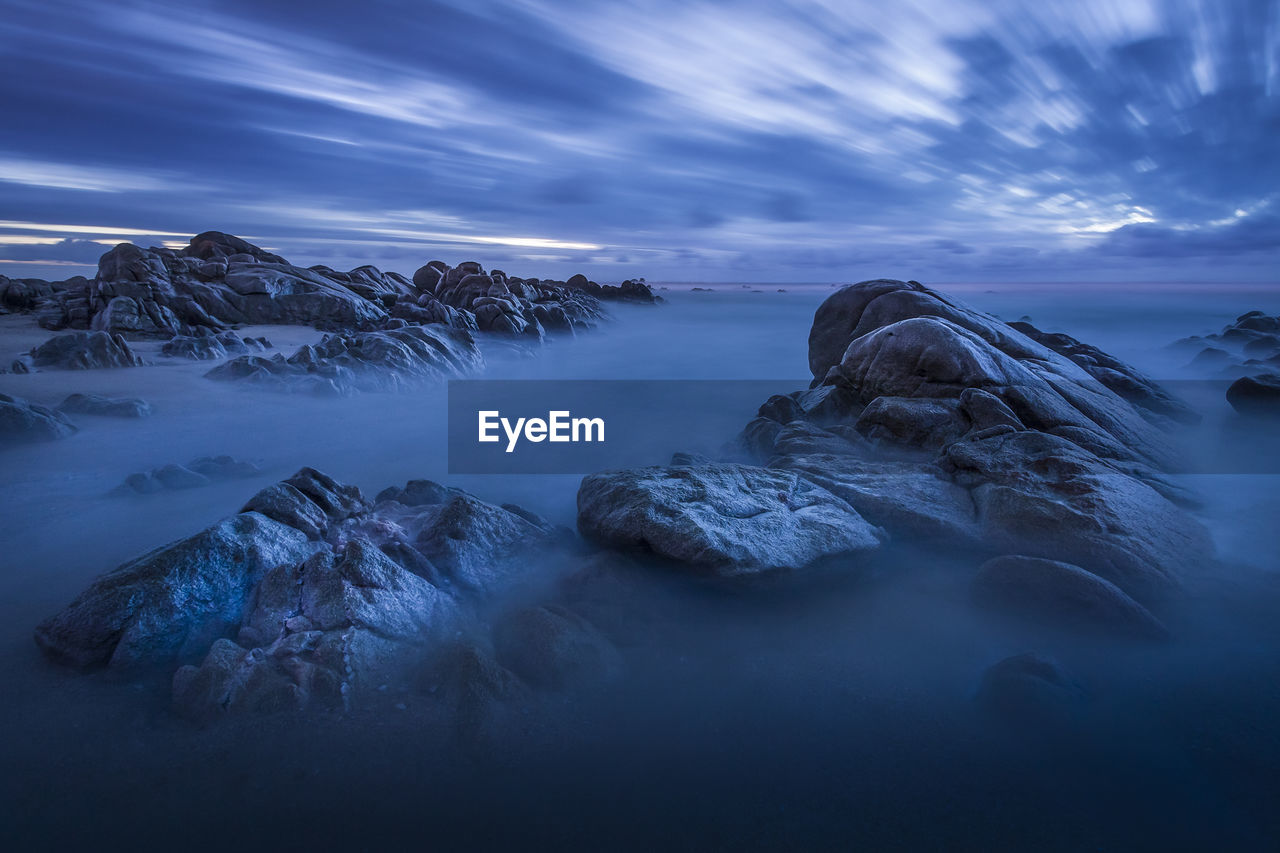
<point x="796" y="715"/>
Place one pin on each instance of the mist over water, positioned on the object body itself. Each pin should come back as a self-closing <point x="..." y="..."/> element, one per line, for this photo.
<point x="805" y="714"/>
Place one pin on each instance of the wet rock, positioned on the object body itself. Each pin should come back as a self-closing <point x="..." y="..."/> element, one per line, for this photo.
<point x="722" y="519"/>
<point x="1030" y="689"/>
<point x="171" y="604"/>
<point x="1256" y="396"/>
<point x="481" y="697"/>
<point x="552" y="647"/>
<point x="22" y="421"/>
<point x="1061" y="594"/>
<point x="923" y="423"/>
<point x="115" y="407"/>
<point x="85" y="351"/>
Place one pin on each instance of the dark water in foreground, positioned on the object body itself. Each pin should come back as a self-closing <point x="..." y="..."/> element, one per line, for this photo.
<point x="826" y="716"/>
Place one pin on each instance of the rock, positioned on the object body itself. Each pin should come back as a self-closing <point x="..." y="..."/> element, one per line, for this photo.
<point x="392" y="359"/>
<point x="1256" y="396"/>
<point x="1061" y="594"/>
<point x="85" y="351"/>
<point x="171" y="604"/>
<point x="1030" y="689"/>
<point x="309" y="501"/>
<point x="1139" y="390"/>
<point x="476" y="546"/>
<point x="173" y="476"/>
<point x="115" y="407"/>
<point x="207" y="346"/>
<point x="481" y="697"/>
<point x="722" y="519"/>
<point x="913" y="501"/>
<point x="201" y="471"/>
<point x="913" y="422"/>
<point x="552" y="647"/>
<point x="1044" y="496"/>
<point x="21" y="421"/>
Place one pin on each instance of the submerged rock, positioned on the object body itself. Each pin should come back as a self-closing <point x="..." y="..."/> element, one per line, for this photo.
<point x="114" y="407"/>
<point x="1030" y="689"/>
<point x="722" y="519"/>
<point x="21" y="421"/>
<point x="85" y="351"/>
<point x="553" y="647"/>
<point x="1062" y="594"/>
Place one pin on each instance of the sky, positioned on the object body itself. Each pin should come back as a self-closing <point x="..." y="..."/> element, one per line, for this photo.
<point x="791" y="140"/>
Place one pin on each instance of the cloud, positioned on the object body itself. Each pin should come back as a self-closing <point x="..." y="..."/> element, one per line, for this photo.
<point x="974" y="138"/>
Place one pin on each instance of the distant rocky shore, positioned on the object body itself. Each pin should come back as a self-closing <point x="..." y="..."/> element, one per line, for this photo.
<point x="1041" y="464"/>
<point x="388" y="331"/>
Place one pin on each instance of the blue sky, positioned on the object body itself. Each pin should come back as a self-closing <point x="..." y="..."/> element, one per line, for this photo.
<point x="951" y="140"/>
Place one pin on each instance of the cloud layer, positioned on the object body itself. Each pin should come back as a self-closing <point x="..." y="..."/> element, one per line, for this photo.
<point x="800" y="141"/>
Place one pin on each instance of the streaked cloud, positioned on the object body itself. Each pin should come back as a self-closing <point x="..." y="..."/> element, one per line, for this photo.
<point x="749" y="139"/>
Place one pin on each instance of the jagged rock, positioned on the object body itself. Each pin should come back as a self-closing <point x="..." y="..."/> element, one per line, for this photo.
<point x="85" y="351"/>
<point x="21" y="421"/>
<point x="321" y="604"/>
<point x="552" y="647"/>
<point x="393" y="359"/>
<point x="309" y="501"/>
<point x="1030" y="689"/>
<point x="171" y="604"/>
<point x="115" y="407"/>
<point x="1062" y="594"/>
<point x="1256" y="395"/>
<point x="722" y="519"/>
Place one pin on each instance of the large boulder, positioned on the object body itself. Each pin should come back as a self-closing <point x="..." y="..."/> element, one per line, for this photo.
<point x="723" y="519"/>
<point x="22" y="421"/>
<point x="1256" y="396"/>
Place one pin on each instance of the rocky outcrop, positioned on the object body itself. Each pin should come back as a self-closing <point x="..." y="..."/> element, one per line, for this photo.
<point x="342" y="364"/>
<point x="1063" y="595"/>
<point x="22" y="422"/>
<point x="942" y="426"/>
<point x="313" y="596"/>
<point x="1256" y="396"/>
<point x="111" y="407"/>
<point x="219" y="281"/>
<point x="1248" y="346"/>
<point x="722" y="519"/>
<point x="85" y="351"/>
